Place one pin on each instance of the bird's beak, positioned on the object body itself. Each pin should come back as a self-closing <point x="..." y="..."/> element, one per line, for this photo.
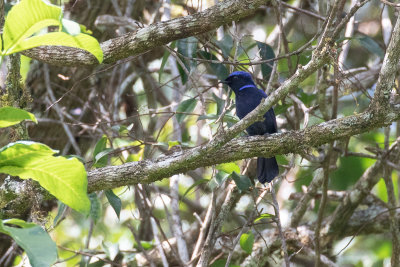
<point x="224" y="82"/>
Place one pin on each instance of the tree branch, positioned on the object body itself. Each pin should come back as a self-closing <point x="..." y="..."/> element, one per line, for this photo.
<point x="150" y="37"/>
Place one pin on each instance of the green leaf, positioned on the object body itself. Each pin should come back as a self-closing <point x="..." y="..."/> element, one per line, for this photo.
<point x="187" y="47"/>
<point x="100" y="151"/>
<point x="145" y="245"/>
<point x="11" y="116"/>
<point x="25" y="67"/>
<point x="222" y="263"/>
<point x="228" y="167"/>
<point x="280" y="109"/>
<point x="198" y="182"/>
<point x="115" y="201"/>
<point x="95" y="207"/>
<point x="372" y="46"/>
<point x="63" y="178"/>
<point x="173" y="143"/>
<point x="164" y="60"/>
<point x="246" y="242"/>
<point x="100" y="145"/>
<point x="266" y="52"/>
<point x="225" y="45"/>
<point x="264" y="216"/>
<point x="242" y="181"/>
<point x="220" y="103"/>
<point x="81" y="41"/>
<point x="218" y="69"/>
<point x="30" y="16"/>
<point x="36" y="242"/>
<point x="25" y="19"/>
<point x="186" y="106"/>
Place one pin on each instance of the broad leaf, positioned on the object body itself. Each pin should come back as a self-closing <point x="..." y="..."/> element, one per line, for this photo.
<point x="242" y="181"/>
<point x="36" y="242"/>
<point x="266" y="52"/>
<point x="225" y="45"/>
<point x="217" y="68"/>
<point x="372" y="46"/>
<point x="228" y="167"/>
<point x="81" y="41"/>
<point x="187" y="47"/>
<point x="25" y="19"/>
<point x="100" y="151"/>
<point x="64" y="178"/>
<point x="115" y="201"/>
<point x="11" y="116"/>
<point x="246" y="242"/>
<point x="186" y="106"/>
<point x="30" y="16"/>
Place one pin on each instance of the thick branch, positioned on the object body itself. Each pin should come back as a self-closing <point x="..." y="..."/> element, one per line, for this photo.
<point x="148" y="171"/>
<point x="148" y="38"/>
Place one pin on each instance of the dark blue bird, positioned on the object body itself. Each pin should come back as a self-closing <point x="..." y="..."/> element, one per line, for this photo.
<point x="248" y="97"/>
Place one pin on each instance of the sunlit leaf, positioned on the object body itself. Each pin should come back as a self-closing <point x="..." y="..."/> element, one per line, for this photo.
<point x="173" y="143"/>
<point x="228" y="167"/>
<point x="26" y="18"/>
<point x="81" y="41"/>
<point x="71" y="27"/>
<point x="246" y="242"/>
<point x="10" y="116"/>
<point x="64" y="178"/>
<point x="264" y="216"/>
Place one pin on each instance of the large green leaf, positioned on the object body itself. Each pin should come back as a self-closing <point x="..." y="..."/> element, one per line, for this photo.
<point x="41" y="250"/>
<point x="266" y="52"/>
<point x="30" y="16"/>
<point x="242" y="181"/>
<point x="187" y="47"/>
<point x="217" y="68"/>
<point x="62" y="177"/>
<point x="26" y="18"/>
<point x="81" y="41"/>
<point x="11" y="116"/>
<point x="186" y="106"/>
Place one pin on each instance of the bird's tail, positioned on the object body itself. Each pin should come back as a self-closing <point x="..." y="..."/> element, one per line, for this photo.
<point x="267" y="169"/>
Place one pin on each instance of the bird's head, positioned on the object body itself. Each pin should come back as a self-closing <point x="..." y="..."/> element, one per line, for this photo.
<point x="239" y="80"/>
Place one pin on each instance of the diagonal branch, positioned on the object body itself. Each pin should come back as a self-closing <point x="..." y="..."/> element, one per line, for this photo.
<point x="148" y="171"/>
<point x="150" y="37"/>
